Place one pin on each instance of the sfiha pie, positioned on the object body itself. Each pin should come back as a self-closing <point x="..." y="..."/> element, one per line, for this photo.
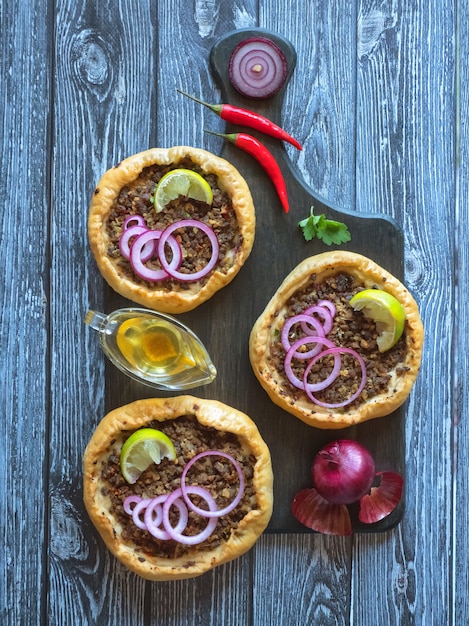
<point x="321" y="358"/>
<point x="218" y="451"/>
<point x="174" y="257"/>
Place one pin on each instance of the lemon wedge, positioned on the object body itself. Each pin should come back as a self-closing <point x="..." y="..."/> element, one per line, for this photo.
<point x="181" y="182"/>
<point x="141" y="449"/>
<point x="386" y="311"/>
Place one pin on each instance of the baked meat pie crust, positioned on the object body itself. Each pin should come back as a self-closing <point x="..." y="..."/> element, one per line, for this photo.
<point x="209" y="413"/>
<point x="158" y="296"/>
<point x="266" y="330"/>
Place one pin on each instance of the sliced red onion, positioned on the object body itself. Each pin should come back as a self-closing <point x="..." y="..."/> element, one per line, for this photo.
<point x="303" y="319"/>
<point x="292" y="353"/>
<point x="383" y="499"/>
<point x="257" y="68"/>
<point x="136" y="252"/>
<point x="153" y="524"/>
<point x="133" y="499"/>
<point x="154" y="516"/>
<point x="186" y="489"/>
<point x="170" y="267"/>
<point x="315" y="512"/>
<point x="340" y="350"/>
<point x="125" y="243"/>
<point x="173" y="532"/>
<point x="328" y="304"/>
<point x="324" y="313"/>
<point x="134" y="220"/>
<point x="138" y="510"/>
<point x="327" y="381"/>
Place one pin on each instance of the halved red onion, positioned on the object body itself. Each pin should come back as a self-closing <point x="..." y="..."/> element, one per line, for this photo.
<point x="169" y="267"/>
<point x="293" y="353"/>
<point x="315" y="512"/>
<point x="334" y="351"/>
<point x="303" y="319"/>
<point x="257" y="67"/>
<point x="175" y="497"/>
<point x="128" y="237"/>
<point x="132" y="499"/>
<point x="186" y="489"/>
<point x="383" y="499"/>
<point x="134" y="220"/>
<point x="136" y="252"/>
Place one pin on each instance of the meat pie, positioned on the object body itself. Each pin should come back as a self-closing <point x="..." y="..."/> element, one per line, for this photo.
<point x="365" y="383"/>
<point x="194" y="426"/>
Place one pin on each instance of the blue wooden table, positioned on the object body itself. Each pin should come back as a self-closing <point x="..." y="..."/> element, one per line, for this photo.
<point x="379" y="99"/>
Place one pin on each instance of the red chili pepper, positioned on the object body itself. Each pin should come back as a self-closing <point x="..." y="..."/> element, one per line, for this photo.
<point x="255" y="148"/>
<point x="245" y="117"/>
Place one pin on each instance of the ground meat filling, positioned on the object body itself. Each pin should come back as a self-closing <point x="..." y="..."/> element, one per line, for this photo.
<point x="135" y="199"/>
<point x="214" y="473"/>
<point x="350" y="329"/>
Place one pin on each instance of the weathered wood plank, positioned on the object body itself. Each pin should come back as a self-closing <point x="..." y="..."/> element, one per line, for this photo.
<point x="222" y="596"/>
<point x="313" y="571"/>
<point x="459" y="583"/>
<point x="24" y="253"/>
<point x="405" y="161"/>
<point x="103" y="92"/>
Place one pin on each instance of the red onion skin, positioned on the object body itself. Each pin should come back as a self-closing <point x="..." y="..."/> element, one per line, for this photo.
<point x="343" y="471"/>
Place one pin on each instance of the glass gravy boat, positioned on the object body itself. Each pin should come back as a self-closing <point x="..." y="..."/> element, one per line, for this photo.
<point x="153" y="348"/>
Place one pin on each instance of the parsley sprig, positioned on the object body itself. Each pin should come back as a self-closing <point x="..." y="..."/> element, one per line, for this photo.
<point x="329" y="231"/>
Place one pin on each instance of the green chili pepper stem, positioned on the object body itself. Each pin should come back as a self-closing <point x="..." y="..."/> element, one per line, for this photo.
<point x="216" y="108"/>
<point x="230" y="136"/>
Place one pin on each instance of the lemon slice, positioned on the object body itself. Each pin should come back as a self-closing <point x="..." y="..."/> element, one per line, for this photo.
<point x="181" y="182"/>
<point x="141" y="449"/>
<point x="386" y="311"/>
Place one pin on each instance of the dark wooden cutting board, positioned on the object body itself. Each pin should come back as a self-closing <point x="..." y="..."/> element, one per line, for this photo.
<point x="225" y="321"/>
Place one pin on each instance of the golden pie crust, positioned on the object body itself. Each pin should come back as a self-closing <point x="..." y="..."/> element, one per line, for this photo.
<point x="270" y="322"/>
<point x="108" y="189"/>
<point x="208" y="413"/>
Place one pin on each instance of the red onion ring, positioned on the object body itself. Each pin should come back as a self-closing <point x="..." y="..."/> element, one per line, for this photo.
<point x="136" y="252"/>
<point x="136" y="512"/>
<point x="173" y="532"/>
<point x="186" y="489"/>
<point x="155" y="506"/>
<point x="125" y="244"/>
<point x="138" y="219"/>
<point x="304" y="319"/>
<point x="133" y="499"/>
<point x="328" y="304"/>
<point x="153" y="524"/>
<point x="322" y="312"/>
<point x="334" y="351"/>
<point x="169" y="267"/>
<point x="257" y="67"/>
<point x="295" y="381"/>
<point x="309" y="387"/>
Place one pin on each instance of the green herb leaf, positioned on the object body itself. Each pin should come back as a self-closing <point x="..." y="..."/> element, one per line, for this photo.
<point x="329" y="231"/>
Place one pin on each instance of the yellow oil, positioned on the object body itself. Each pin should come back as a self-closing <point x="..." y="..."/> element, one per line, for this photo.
<point x="153" y="347"/>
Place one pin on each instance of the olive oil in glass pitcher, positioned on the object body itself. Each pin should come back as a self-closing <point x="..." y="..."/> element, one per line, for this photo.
<point x="153" y="348"/>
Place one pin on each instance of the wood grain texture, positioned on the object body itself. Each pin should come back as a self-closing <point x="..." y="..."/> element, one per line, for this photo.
<point x="24" y="257"/>
<point x="374" y="99"/>
<point x="459" y="580"/>
<point x="405" y="140"/>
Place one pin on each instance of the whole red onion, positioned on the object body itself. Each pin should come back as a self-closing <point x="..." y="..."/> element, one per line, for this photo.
<point x="343" y="471"/>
